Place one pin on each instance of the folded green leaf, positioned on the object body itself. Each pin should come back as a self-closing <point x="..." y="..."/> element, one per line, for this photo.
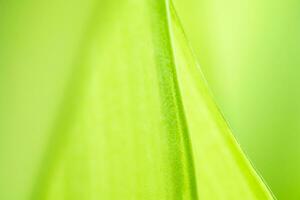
<point x="136" y="120"/>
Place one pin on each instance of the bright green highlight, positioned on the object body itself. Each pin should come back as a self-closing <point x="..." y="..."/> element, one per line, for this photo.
<point x="249" y="53"/>
<point x="111" y="106"/>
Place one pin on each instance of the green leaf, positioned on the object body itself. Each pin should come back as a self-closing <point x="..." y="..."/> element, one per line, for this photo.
<point x="135" y="120"/>
<point x="223" y="172"/>
<point x="247" y="52"/>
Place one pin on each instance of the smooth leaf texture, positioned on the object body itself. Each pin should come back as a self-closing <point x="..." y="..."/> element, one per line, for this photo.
<point x="249" y="51"/>
<point x="134" y="120"/>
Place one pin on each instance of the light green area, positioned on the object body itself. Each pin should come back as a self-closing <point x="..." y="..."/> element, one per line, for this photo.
<point x="223" y="172"/>
<point x="104" y="100"/>
<point x="249" y="53"/>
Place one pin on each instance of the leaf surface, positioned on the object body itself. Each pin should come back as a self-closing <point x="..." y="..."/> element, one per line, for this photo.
<point x="134" y="120"/>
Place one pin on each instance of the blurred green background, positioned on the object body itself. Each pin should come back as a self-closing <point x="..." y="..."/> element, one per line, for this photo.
<point x="250" y="53"/>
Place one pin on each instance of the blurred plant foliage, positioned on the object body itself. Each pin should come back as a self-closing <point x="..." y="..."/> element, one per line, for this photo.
<point x="105" y="100"/>
<point x="249" y="52"/>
